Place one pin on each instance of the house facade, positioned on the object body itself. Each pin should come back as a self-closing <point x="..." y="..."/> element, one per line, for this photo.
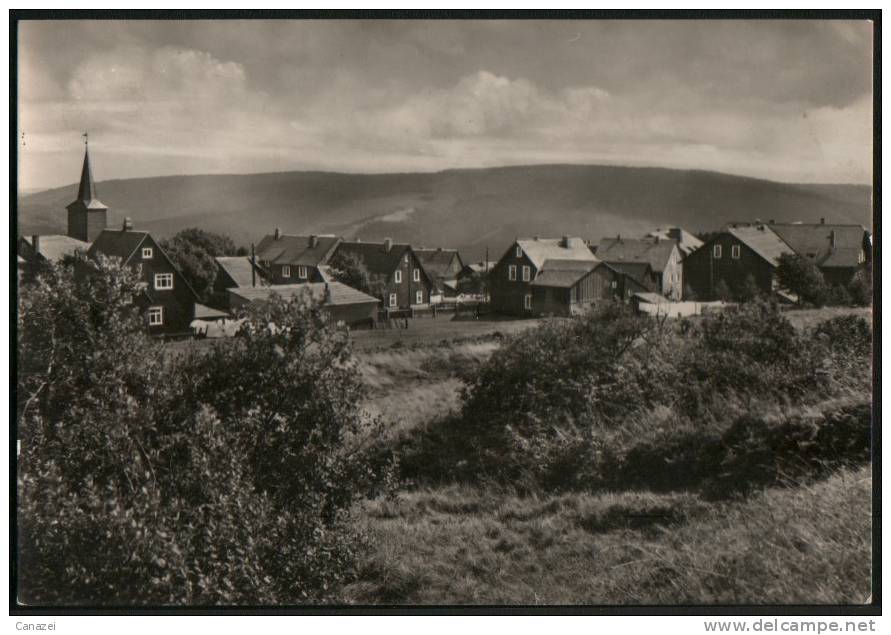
<point x="404" y="281"/>
<point x="291" y="259"/>
<point x="510" y="280"/>
<point x="731" y="257"/>
<point x="443" y="267"/>
<point x="167" y="301"/>
<point x="662" y="254"/>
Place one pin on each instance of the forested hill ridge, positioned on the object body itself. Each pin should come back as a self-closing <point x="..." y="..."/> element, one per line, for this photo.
<point x="468" y="209"/>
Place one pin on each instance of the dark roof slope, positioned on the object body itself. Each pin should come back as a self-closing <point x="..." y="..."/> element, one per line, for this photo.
<point x="437" y="261"/>
<point x="563" y="273"/>
<point x="377" y="258"/>
<point x="116" y="242"/>
<point x="310" y="251"/>
<point x="638" y="271"/>
<point x="761" y="240"/>
<point x="655" y="251"/>
<point x="827" y="245"/>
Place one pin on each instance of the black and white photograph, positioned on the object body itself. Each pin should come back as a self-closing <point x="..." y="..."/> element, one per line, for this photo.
<point x="398" y="311"/>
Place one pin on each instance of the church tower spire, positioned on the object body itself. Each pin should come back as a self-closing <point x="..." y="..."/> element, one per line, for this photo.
<point x="87" y="216"/>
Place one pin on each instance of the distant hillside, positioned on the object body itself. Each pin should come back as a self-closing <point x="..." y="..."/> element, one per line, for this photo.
<point x="467" y="209"/>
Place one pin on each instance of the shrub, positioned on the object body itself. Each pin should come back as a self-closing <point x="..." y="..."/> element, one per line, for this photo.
<point x="802" y="277"/>
<point x="204" y="478"/>
<point x="860" y="288"/>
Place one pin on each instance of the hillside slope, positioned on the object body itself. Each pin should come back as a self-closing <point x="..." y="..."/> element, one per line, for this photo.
<point x="467" y="209"/>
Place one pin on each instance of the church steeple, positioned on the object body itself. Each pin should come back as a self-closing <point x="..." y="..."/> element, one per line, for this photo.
<point x="87" y="215"/>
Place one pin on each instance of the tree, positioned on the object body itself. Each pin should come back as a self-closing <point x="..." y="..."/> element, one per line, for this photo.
<point x="350" y="269"/>
<point x="722" y="291"/>
<point x="802" y="277"/>
<point x="193" y="251"/>
<point x="860" y="288"/>
<point x="475" y="284"/>
<point x="208" y="477"/>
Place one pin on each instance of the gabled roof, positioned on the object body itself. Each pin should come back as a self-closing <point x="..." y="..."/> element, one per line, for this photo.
<point x="296" y="250"/>
<point x="687" y="243"/>
<point x="116" y="242"/>
<point x="761" y="240"/>
<point x="377" y="258"/>
<point x="203" y="312"/>
<point x="55" y="246"/>
<point x="437" y="261"/>
<point x="639" y="271"/>
<point x="538" y="250"/>
<point x="815" y="242"/>
<point x="86" y="191"/>
<point x="338" y="294"/>
<point x="563" y="273"/>
<point x="655" y="251"/>
<point x="239" y="270"/>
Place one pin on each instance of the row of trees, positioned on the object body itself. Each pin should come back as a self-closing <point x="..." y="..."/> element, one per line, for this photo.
<point x="188" y="476"/>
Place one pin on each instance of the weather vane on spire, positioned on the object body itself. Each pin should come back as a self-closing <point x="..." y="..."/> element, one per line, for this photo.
<point x="86" y="137"/>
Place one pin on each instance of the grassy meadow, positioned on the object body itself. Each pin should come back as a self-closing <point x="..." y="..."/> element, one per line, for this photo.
<point x="801" y="537"/>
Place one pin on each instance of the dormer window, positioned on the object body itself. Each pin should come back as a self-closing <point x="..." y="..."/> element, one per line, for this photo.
<point x="147" y="253"/>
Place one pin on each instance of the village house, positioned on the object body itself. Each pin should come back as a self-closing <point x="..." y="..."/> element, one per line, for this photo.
<point x="571" y="287"/>
<point x="687" y="243"/>
<point x="839" y="251"/>
<point x="734" y="255"/>
<point x="167" y="299"/>
<point x="442" y="267"/>
<point x="510" y="280"/>
<point x="294" y="259"/>
<point x="405" y="283"/>
<point x="663" y="256"/>
<point x="236" y="271"/>
<point x="341" y="302"/>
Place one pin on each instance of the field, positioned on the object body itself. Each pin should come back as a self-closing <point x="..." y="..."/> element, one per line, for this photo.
<point x="488" y="543"/>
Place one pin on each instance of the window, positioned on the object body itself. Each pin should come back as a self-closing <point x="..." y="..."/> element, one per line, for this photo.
<point x="613" y="284"/>
<point x="286" y="271"/>
<point x="416" y="275"/>
<point x="301" y="272"/>
<point x="163" y="281"/>
<point x="147" y="253"/>
<point x="861" y="257"/>
<point x="392" y="299"/>
<point x="512" y="272"/>
<point x="419" y="297"/>
<point x="527" y="302"/>
<point x="398" y="277"/>
<point x="527" y="273"/>
<point x="734" y="252"/>
<point x="717" y="251"/>
<point x="519" y="252"/>
<point x="406" y="258"/>
<point x="156" y="316"/>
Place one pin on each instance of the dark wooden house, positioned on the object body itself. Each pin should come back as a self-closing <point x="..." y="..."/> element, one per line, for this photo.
<point x="510" y="280"/>
<point x="662" y="255"/>
<point x="732" y="256"/>
<point x="571" y="287"/>
<point x="294" y="259"/>
<point x="167" y="300"/>
<point x="405" y="282"/>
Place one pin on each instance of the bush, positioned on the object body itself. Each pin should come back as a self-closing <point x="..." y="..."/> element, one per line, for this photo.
<point x="802" y="277"/>
<point x="204" y="478"/>
<point x="860" y="288"/>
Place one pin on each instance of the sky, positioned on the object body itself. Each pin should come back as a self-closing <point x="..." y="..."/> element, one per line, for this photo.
<point x="784" y="100"/>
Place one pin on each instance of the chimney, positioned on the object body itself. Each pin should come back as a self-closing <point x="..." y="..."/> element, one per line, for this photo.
<point x="35" y="243"/>
<point x="657" y="239"/>
<point x="313" y="241"/>
<point x="278" y="233"/>
<point x="565" y="242"/>
<point x="618" y="238"/>
<point x="438" y="249"/>
<point x="772" y="222"/>
<point x="128" y="225"/>
<point x="822" y="221"/>
<point x="388" y="244"/>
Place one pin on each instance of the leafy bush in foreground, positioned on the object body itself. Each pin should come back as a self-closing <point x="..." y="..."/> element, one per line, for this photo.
<point x="198" y="479"/>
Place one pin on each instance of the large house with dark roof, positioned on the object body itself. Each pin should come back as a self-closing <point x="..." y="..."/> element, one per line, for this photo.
<point x="167" y="300"/>
<point x="744" y="250"/>
<point x="511" y="279"/>
<point x="662" y="254"/>
<point x="405" y="281"/>
<point x="293" y="259"/>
